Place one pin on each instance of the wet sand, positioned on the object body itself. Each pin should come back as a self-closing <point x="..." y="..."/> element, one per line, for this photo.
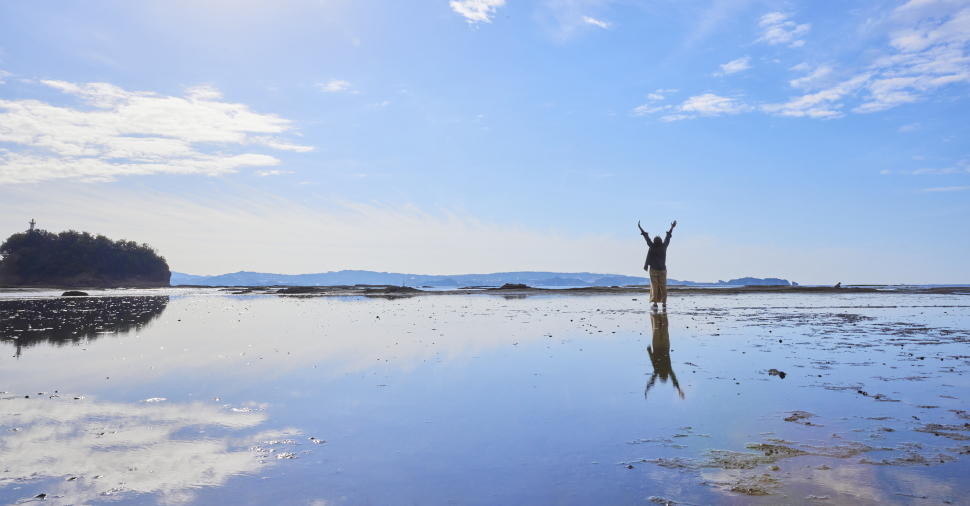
<point x="363" y="395"/>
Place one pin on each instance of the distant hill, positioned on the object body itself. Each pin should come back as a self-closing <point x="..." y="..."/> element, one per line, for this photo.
<point x="355" y="277"/>
<point x="79" y="259"/>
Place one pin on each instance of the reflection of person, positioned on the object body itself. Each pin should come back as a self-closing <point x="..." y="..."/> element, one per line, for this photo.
<point x="659" y="352"/>
<point x="657" y="264"/>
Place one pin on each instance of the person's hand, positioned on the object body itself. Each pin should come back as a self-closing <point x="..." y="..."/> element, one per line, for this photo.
<point x="674" y="224"/>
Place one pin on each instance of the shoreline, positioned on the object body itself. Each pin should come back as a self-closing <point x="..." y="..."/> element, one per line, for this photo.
<point x="391" y="291"/>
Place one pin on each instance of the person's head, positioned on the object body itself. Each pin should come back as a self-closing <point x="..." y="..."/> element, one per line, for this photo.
<point x="657" y="240"/>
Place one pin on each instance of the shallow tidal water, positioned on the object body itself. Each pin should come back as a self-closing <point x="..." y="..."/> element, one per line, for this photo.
<point x="200" y="397"/>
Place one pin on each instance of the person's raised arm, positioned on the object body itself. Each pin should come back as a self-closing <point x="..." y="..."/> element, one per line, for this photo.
<point x="669" y="232"/>
<point x="643" y="232"/>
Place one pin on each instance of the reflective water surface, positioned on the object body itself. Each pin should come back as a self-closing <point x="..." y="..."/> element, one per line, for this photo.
<point x="201" y="397"/>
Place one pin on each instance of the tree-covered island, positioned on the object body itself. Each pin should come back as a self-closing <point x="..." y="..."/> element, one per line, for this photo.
<point x="78" y="259"/>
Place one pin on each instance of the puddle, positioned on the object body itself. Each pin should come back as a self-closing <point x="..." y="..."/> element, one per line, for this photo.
<point x="212" y="397"/>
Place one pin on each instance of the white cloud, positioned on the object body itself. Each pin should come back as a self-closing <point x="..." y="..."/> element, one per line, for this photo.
<point x="778" y="28"/>
<point x="476" y="11"/>
<point x="660" y="94"/>
<point x="596" y="22"/>
<point x="710" y="104"/>
<point x="3" y="76"/>
<point x="825" y="103"/>
<point x="735" y="66"/>
<point x="281" y="144"/>
<point x="561" y="20"/>
<point x="652" y="105"/>
<point x="334" y="86"/>
<point x="707" y="104"/>
<point x="273" y="172"/>
<point x="812" y="79"/>
<point x="123" y="133"/>
<point x="930" y="52"/>
<point x="204" y="92"/>
<point x="926" y="52"/>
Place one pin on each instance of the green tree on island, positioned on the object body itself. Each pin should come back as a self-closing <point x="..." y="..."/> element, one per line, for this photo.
<point x="41" y="258"/>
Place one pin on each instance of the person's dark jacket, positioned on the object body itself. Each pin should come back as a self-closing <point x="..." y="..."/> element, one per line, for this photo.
<point x="657" y="255"/>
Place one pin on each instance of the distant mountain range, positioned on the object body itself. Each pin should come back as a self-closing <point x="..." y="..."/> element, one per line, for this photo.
<point x="531" y="278"/>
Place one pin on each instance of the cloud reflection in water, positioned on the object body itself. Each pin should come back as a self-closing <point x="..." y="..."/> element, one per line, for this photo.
<point x="96" y="449"/>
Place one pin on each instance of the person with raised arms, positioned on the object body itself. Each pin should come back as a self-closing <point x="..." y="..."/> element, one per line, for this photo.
<point x="656" y="264"/>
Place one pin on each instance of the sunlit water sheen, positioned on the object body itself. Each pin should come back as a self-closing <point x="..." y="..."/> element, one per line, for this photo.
<point x="208" y="398"/>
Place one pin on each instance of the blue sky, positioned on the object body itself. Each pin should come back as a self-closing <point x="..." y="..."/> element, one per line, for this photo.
<point x="818" y="141"/>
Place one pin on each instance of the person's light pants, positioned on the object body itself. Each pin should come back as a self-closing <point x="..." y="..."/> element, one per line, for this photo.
<point x="658" y="286"/>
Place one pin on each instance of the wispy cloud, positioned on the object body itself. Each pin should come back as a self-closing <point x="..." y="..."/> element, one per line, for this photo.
<point x="248" y="227"/>
<point x="334" y="86"/>
<point x="272" y="172"/>
<point x="778" y="28"/>
<point x="710" y="104"/>
<point x="735" y="66"/>
<point x="116" y="132"/>
<point x="711" y="17"/>
<point x="653" y="103"/>
<point x="930" y="52"/>
<point x="825" y="103"/>
<point x="707" y="104"/>
<point x="596" y="22"/>
<point x="947" y="189"/>
<point x="812" y="79"/>
<point x="476" y="11"/>
<point x="926" y="51"/>
<point x="961" y="167"/>
<point x="282" y="145"/>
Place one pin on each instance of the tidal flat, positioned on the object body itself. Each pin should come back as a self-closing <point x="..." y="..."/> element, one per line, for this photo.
<point x="200" y="396"/>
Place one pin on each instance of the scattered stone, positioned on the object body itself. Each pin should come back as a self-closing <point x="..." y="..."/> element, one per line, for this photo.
<point x="798" y="416"/>
<point x="948" y="431"/>
<point x="762" y="484"/>
<point x="776" y="372"/>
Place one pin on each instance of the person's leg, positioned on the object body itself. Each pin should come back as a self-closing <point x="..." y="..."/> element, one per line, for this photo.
<point x="654" y="288"/>
<point x="662" y="283"/>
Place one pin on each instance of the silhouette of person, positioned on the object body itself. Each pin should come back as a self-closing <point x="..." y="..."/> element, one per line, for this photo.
<point x="657" y="264"/>
<point x="659" y="353"/>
